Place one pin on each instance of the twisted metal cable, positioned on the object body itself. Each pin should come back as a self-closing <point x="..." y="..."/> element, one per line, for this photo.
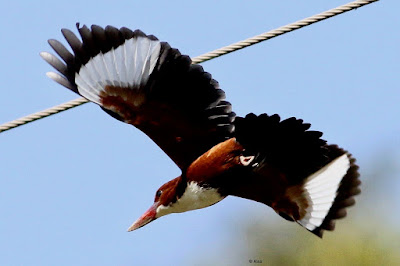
<point x="205" y="57"/>
<point x="48" y="112"/>
<point x="281" y="30"/>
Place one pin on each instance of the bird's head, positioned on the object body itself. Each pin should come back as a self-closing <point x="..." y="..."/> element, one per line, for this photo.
<point x="177" y="196"/>
<point x="191" y="192"/>
<point x="164" y="200"/>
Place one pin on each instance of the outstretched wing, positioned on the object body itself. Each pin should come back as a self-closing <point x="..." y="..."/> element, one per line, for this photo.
<point x="300" y="176"/>
<point x="144" y="82"/>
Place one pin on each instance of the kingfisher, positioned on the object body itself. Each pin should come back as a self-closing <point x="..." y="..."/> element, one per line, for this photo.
<point x="144" y="82"/>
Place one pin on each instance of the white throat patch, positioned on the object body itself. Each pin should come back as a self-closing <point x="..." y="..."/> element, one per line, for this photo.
<point x="194" y="197"/>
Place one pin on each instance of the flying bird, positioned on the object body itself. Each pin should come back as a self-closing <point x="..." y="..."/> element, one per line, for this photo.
<point x="142" y="81"/>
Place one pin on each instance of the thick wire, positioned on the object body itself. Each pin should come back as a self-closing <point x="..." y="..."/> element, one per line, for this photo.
<point x="48" y="112"/>
<point x="205" y="57"/>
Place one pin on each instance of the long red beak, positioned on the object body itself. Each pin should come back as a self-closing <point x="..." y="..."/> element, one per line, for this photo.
<point x="147" y="217"/>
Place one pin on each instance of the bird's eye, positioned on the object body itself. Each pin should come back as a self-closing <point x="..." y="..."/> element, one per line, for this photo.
<point x="158" y="193"/>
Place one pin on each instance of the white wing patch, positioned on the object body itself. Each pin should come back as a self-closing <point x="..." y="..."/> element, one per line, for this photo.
<point x="320" y="189"/>
<point x="129" y="65"/>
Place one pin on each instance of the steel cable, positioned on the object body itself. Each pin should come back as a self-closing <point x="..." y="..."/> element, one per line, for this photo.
<point x="205" y="57"/>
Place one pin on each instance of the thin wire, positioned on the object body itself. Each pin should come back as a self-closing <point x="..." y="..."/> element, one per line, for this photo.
<point x="205" y="57"/>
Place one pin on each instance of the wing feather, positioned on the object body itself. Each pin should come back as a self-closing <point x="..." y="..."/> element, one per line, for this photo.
<point x="297" y="173"/>
<point x="144" y="82"/>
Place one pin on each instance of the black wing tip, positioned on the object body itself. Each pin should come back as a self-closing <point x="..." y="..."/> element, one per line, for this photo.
<point x="291" y="123"/>
<point x="348" y="189"/>
<point x="106" y="35"/>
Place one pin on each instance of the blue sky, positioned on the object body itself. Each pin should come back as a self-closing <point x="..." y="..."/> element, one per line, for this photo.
<point x="71" y="184"/>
